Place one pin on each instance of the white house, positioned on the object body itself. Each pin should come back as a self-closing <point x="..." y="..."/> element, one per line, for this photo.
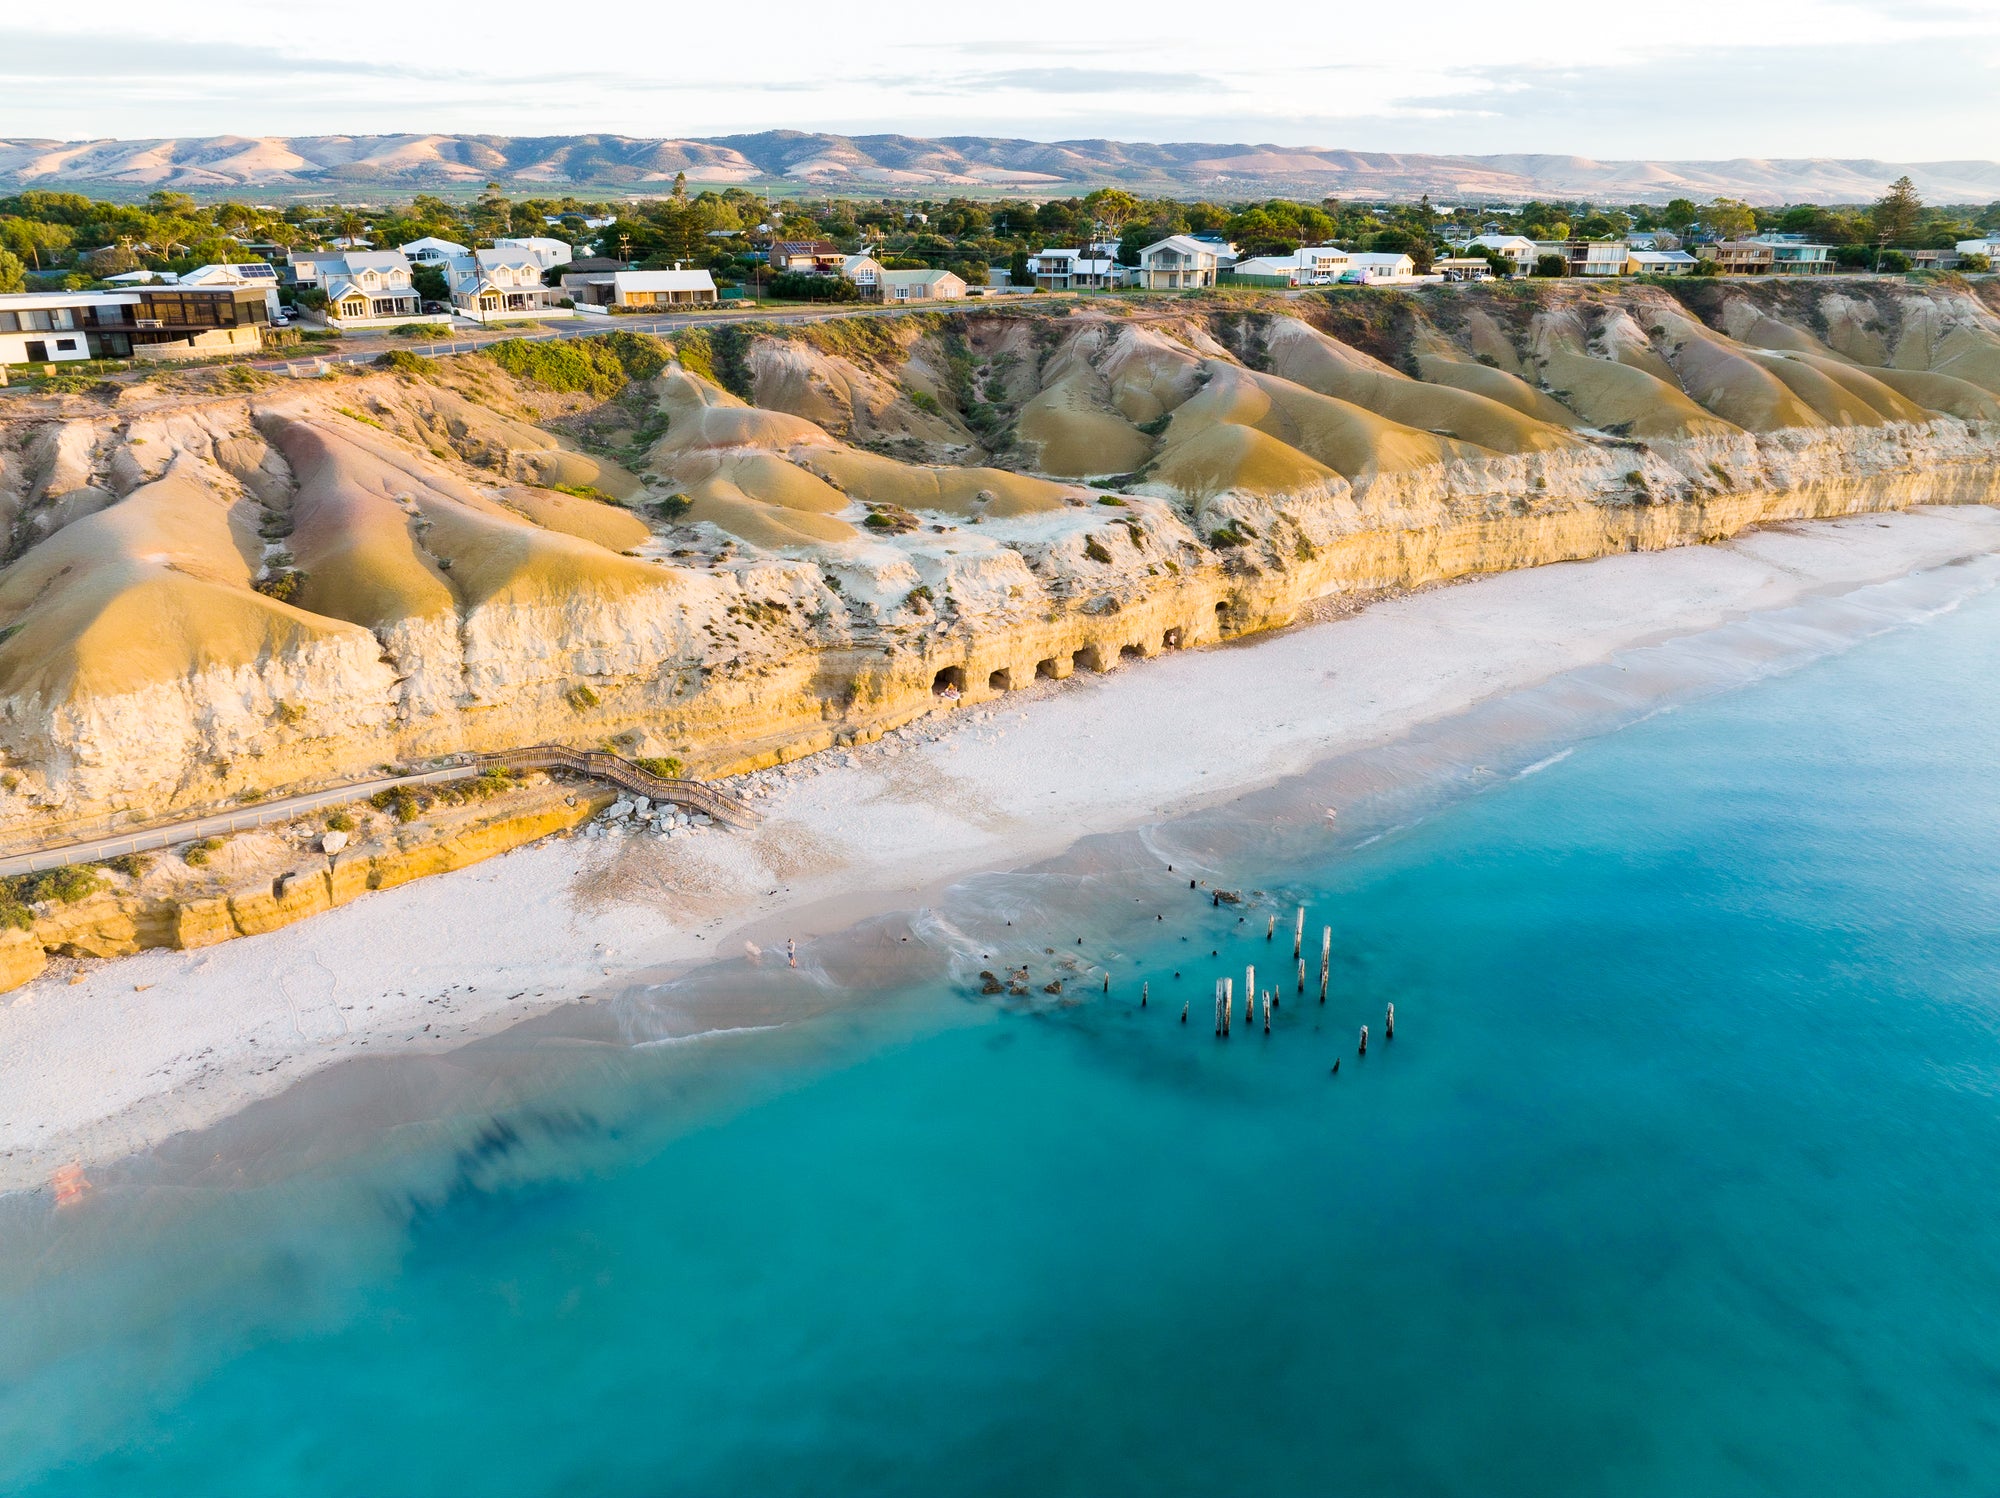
<point x="1179" y="262"/>
<point x="550" y="252"/>
<point x="1989" y="247"/>
<point x="497" y="285"/>
<point x="1313" y="265"/>
<point x="1374" y="268"/>
<point x="365" y="288"/>
<point x="143" y="322"/>
<point x="1519" y="252"/>
<point x="641" y="290"/>
<point x="254" y="273"/>
<point x="1659" y="263"/>
<point x="1603" y="257"/>
<point x="432" y="251"/>
<point x="1092" y="268"/>
<point x="921" y="286"/>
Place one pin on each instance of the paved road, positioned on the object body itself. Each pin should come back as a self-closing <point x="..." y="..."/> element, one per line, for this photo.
<point x="262" y="814"/>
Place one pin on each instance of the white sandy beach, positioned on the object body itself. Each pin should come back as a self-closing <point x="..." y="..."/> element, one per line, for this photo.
<point x="101" y="1059"/>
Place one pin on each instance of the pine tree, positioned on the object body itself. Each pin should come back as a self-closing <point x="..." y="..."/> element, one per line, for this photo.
<point x="1896" y="212"/>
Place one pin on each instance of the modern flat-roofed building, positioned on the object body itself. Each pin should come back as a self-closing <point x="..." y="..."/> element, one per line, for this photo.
<point x="142" y="322"/>
<point x="1794" y="255"/>
<point x="1738" y="257"/>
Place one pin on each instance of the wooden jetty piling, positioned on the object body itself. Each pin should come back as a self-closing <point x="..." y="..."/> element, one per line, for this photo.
<point x="1325" y="959"/>
<point x="1299" y="933"/>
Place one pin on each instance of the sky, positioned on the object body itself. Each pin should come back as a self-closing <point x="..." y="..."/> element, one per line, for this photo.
<point x="1899" y="80"/>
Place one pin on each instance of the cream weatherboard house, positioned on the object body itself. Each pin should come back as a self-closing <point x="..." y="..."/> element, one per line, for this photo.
<point x="364" y="288"/>
<point x="503" y="285"/>
<point x="921" y="286"/>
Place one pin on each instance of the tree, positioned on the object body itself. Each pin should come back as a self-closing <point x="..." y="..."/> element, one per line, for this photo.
<point x="1892" y="262"/>
<point x="1726" y="218"/>
<point x="1679" y="214"/>
<point x="1113" y="207"/>
<point x="1551" y="265"/>
<point x="1897" y="211"/>
<point x="1017" y="269"/>
<point x="13" y="274"/>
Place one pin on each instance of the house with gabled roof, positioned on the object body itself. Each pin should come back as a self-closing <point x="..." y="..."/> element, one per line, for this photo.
<point x="499" y="285"/>
<point x="1180" y="262"/>
<point x="921" y="286"/>
<point x="431" y="250"/>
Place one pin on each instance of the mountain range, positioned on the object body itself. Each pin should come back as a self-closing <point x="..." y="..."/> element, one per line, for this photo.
<point x="299" y="165"/>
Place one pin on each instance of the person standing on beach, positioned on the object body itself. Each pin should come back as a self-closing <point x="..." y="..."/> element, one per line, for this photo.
<point x="792" y="951"/>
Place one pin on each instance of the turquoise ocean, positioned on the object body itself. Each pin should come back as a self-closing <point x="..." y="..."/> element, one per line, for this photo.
<point x="1681" y="1175"/>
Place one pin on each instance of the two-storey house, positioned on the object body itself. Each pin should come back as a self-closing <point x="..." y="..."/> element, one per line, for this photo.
<point x="1179" y="262"/>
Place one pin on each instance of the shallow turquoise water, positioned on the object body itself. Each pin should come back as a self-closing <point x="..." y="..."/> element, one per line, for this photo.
<point x="1679" y="1178"/>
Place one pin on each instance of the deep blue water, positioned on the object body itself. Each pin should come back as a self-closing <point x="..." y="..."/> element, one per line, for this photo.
<point x="1680" y="1178"/>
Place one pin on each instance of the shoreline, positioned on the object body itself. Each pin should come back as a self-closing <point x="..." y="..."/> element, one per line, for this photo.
<point x="104" y="1059"/>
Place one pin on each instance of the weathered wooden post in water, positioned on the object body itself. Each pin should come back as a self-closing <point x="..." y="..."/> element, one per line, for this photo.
<point x="1267" y="1014"/>
<point x="1271" y="929"/>
<point x="1250" y="992"/>
<point x="1299" y="933"/>
<point x="1145" y="991"/>
<point x="1228" y="1003"/>
<point x="1302" y="975"/>
<point x="1364" y="1040"/>
<point x="1325" y="958"/>
<point x="1389" y="1024"/>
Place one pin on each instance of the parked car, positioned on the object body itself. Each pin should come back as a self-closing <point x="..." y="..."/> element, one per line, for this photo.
<point x="432" y="307"/>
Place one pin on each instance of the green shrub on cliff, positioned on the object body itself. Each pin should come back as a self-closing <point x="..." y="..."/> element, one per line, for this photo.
<point x="599" y="366"/>
<point x="667" y="767"/>
<point x="53" y="886"/>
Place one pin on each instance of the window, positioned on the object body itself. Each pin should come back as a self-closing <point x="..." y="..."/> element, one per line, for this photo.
<point x="66" y="345"/>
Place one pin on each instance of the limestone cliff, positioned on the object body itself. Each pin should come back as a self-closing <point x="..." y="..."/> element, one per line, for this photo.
<point x="229" y="597"/>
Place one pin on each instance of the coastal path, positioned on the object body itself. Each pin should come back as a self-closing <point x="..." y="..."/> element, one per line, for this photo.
<point x="690" y="795"/>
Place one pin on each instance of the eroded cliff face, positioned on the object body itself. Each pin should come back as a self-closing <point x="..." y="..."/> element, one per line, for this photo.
<point x="240" y="596"/>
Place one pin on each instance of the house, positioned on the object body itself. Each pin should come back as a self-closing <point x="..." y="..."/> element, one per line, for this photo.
<point x="143" y="322"/>
<point x="1517" y="251"/>
<point x="1091" y="268"/>
<point x="366" y="288"/>
<point x="641" y="289"/>
<point x="1795" y="255"/>
<point x="1653" y="239"/>
<point x="921" y="286"/>
<point x="1179" y="262"/>
<point x="550" y="252"/>
<point x="1738" y="257"/>
<point x="1376" y="267"/>
<point x="1933" y="259"/>
<point x="1601" y="257"/>
<point x="496" y="285"/>
<point x="142" y="278"/>
<point x="1659" y="263"/>
<point x="806" y="257"/>
<point x="1989" y="247"/>
<point x="432" y="251"/>
<point x="865" y="271"/>
<point x="310" y="268"/>
<point x="1314" y="265"/>
<point x="254" y="273"/>
<point x="1462" y="267"/>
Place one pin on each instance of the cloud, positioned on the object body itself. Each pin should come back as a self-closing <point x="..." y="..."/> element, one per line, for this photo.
<point x="1081" y="81"/>
<point x="41" y="58"/>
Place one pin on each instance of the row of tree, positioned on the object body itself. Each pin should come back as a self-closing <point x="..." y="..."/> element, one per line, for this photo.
<point x="65" y="239"/>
